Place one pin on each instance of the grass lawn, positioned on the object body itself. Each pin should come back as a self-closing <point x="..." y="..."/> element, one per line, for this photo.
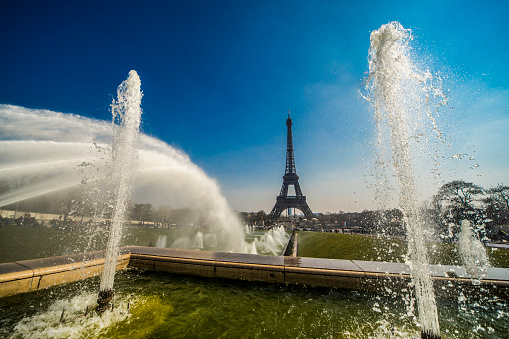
<point x="25" y="242"/>
<point x="373" y="248"/>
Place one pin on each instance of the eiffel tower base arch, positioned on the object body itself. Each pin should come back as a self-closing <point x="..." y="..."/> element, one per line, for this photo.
<point x="283" y="203"/>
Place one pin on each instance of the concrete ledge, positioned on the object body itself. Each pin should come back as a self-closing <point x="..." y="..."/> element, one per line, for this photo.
<point x="250" y="267"/>
<point x="14" y="271"/>
<point x="36" y="274"/>
<point x="348" y="274"/>
<point x="32" y="275"/>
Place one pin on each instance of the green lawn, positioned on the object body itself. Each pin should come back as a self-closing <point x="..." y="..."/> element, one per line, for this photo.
<point x="26" y="242"/>
<point x="373" y="248"/>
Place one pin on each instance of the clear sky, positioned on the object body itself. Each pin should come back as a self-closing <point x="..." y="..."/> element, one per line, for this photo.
<point x="219" y="76"/>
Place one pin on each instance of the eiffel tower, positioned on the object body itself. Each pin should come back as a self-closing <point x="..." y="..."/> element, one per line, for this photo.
<point x="284" y="201"/>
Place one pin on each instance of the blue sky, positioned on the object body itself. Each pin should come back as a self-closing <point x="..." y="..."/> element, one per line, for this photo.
<point x="219" y="76"/>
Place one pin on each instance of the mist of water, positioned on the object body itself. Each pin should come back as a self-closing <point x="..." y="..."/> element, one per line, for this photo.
<point x="161" y="241"/>
<point x="399" y="92"/>
<point x="43" y="151"/>
<point x="273" y="241"/>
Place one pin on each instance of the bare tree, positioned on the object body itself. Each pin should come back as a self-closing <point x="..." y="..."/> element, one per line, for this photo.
<point x="497" y="204"/>
<point x="501" y="195"/>
<point x="142" y="213"/>
<point x="456" y="201"/>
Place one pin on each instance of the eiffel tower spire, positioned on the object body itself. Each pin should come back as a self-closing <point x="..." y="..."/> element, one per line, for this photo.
<point x="290" y="161"/>
<point x="284" y="201"/>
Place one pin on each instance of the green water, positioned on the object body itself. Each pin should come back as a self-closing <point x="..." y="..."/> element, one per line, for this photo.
<point x="173" y="306"/>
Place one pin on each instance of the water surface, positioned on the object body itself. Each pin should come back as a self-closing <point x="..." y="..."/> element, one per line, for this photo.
<point x="173" y="306"/>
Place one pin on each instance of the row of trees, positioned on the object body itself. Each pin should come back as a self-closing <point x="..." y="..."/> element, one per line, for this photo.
<point x="455" y="201"/>
<point x="485" y="208"/>
<point x="387" y="221"/>
<point x="73" y="205"/>
<point x="165" y="215"/>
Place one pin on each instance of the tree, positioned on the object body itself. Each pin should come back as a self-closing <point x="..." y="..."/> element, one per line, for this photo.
<point x="261" y="215"/>
<point x="497" y="204"/>
<point x="142" y="213"/>
<point x="163" y="215"/>
<point x="253" y="218"/>
<point x="456" y="201"/>
<point x="501" y="195"/>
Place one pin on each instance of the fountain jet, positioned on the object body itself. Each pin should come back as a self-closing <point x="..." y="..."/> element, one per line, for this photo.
<point x="398" y="91"/>
<point x="127" y="111"/>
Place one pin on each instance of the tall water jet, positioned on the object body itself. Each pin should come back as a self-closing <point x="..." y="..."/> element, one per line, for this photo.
<point x="126" y="110"/>
<point x="398" y="90"/>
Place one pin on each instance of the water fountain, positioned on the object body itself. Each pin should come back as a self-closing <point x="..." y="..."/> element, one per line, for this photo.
<point x="404" y="94"/>
<point x="161" y="241"/>
<point x="396" y="89"/>
<point x="107" y="172"/>
<point x="127" y="111"/>
<point x="63" y="152"/>
<point x="272" y="241"/>
<point x="472" y="252"/>
<point x="198" y="241"/>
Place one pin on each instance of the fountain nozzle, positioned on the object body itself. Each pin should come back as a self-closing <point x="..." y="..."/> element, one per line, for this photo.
<point x="430" y="335"/>
<point x="104" y="299"/>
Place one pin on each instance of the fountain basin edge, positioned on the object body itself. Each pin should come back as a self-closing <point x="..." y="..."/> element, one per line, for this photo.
<point x="36" y="274"/>
<point x="32" y="275"/>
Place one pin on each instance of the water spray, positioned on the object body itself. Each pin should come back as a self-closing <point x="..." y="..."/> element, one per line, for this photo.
<point x="397" y="89"/>
<point x="127" y="111"/>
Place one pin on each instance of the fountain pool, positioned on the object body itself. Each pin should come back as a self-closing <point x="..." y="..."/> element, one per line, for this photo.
<point x="164" y="305"/>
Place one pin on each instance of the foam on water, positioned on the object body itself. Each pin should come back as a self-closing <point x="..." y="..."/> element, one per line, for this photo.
<point x="73" y="323"/>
